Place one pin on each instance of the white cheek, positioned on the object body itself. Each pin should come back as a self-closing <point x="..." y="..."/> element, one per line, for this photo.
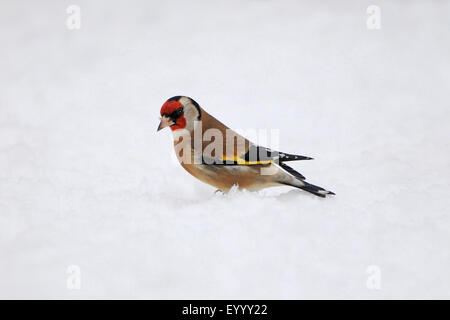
<point x="189" y="115"/>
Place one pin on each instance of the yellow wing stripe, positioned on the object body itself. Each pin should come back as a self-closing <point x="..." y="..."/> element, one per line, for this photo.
<point x="241" y="161"/>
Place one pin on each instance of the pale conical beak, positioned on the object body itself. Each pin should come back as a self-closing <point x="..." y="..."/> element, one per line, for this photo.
<point x="165" y="122"/>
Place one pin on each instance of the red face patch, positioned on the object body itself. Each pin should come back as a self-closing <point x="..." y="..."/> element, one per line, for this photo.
<point x="179" y="124"/>
<point x="171" y="109"/>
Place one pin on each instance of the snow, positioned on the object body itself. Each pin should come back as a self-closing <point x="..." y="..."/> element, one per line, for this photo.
<point x="85" y="180"/>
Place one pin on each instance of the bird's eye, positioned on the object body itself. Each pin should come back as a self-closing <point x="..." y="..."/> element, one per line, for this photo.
<point x="177" y="112"/>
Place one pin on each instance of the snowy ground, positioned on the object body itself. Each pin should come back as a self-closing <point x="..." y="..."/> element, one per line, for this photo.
<point x="86" y="181"/>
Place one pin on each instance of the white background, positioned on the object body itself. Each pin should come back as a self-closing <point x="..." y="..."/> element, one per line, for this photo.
<point x="85" y="179"/>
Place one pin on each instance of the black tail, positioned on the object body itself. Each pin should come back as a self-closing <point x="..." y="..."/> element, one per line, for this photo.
<point x="318" y="191"/>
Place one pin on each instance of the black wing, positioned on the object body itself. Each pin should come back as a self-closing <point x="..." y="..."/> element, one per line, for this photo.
<point x="261" y="154"/>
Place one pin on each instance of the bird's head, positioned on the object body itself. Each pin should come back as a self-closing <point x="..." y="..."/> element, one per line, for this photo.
<point x="179" y="112"/>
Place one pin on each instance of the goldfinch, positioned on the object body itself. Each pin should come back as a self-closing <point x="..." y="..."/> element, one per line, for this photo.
<point x="220" y="157"/>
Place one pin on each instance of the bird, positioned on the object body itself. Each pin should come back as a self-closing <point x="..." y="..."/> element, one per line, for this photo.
<point x="229" y="159"/>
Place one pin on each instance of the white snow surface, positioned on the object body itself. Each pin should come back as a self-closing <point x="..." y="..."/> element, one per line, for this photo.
<point x="85" y="179"/>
